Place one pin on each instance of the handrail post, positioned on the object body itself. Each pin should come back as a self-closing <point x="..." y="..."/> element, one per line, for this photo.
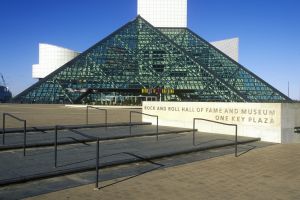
<point x="105" y="119"/>
<point x="25" y="130"/>
<point x="194" y="131"/>
<point x="130" y="122"/>
<point x="57" y="127"/>
<point x="25" y="138"/>
<point x="87" y="115"/>
<point x="236" y="131"/>
<point x="97" y="164"/>
<point x="157" y="128"/>
<point x="3" y="129"/>
<point x="55" y="148"/>
<point x="236" y="128"/>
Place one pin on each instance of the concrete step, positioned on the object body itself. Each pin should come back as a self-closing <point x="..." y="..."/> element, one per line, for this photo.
<point x="71" y="140"/>
<point x="62" y="127"/>
<point x="80" y="158"/>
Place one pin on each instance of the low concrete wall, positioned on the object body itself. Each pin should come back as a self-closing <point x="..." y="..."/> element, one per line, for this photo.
<point x="272" y="122"/>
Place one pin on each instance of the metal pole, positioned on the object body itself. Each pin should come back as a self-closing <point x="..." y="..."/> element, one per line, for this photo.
<point x="130" y="123"/>
<point x="55" y="148"/>
<point x="87" y="115"/>
<point x="288" y="89"/>
<point x="157" y="128"/>
<point x="25" y="138"/>
<point x="236" y="141"/>
<point x="97" y="164"/>
<point x="194" y="131"/>
<point x="3" y="129"/>
<point x="105" y="119"/>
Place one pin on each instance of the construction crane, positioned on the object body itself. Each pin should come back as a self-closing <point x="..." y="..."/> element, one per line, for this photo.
<point x="5" y="94"/>
<point x="3" y="80"/>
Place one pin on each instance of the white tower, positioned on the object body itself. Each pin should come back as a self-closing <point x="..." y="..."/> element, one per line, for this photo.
<point x="164" y="13"/>
<point x="173" y="13"/>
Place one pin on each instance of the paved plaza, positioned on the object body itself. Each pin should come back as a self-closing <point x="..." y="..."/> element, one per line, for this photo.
<point x="51" y="115"/>
<point x="267" y="173"/>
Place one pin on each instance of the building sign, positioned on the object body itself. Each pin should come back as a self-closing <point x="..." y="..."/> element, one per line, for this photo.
<point x="157" y="91"/>
<point x="250" y="115"/>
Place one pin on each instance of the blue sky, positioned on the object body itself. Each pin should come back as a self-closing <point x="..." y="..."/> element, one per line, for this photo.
<point x="269" y="32"/>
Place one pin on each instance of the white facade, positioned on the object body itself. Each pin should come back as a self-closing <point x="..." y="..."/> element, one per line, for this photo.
<point x="229" y="46"/>
<point x="164" y="13"/>
<point x="51" y="58"/>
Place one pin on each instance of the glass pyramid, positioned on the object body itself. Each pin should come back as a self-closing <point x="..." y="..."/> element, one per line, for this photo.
<point x="139" y="57"/>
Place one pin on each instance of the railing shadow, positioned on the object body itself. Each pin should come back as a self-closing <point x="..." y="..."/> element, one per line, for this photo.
<point x="142" y="159"/>
<point x="248" y="150"/>
<point x="131" y="177"/>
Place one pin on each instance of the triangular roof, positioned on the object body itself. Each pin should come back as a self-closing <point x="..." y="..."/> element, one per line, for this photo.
<point x="248" y="84"/>
<point x="139" y="55"/>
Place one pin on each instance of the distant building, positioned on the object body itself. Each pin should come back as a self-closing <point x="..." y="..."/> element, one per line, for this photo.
<point x="5" y="94"/>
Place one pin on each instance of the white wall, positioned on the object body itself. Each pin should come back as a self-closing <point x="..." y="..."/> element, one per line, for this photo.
<point x="164" y="13"/>
<point x="51" y="58"/>
<point x="229" y="46"/>
<point x="272" y="122"/>
<point x="290" y="119"/>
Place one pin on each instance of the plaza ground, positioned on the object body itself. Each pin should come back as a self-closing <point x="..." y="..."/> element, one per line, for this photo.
<point x="48" y="115"/>
<point x="267" y="173"/>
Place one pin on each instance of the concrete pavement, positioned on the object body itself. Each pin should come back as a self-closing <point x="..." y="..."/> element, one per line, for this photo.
<point x="266" y="173"/>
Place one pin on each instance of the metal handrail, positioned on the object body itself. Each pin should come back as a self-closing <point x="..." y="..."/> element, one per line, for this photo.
<point x="194" y="120"/>
<point x="4" y="130"/>
<point x="130" y="119"/>
<point x="84" y="135"/>
<point x="87" y="114"/>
